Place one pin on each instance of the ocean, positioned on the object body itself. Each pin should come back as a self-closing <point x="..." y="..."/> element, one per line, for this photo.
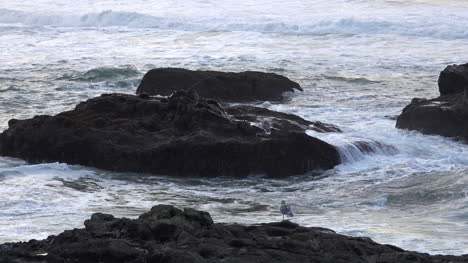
<point x="359" y="63"/>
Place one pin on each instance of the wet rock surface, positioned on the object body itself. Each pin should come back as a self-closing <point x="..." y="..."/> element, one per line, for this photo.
<point x="168" y="234"/>
<point x="184" y="134"/>
<point x="446" y="115"/>
<point x="222" y="86"/>
<point x="453" y="79"/>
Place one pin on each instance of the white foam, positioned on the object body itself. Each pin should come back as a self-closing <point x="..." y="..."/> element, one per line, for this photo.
<point x="353" y="149"/>
<point x="335" y="25"/>
<point x="381" y="54"/>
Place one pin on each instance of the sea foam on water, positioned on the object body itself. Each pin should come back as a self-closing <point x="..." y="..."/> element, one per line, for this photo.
<point x="358" y="62"/>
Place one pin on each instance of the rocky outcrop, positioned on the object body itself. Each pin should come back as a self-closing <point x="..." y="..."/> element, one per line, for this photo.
<point x="181" y="135"/>
<point x="453" y="79"/>
<point x="170" y="235"/>
<point x="222" y="86"/>
<point x="446" y="115"/>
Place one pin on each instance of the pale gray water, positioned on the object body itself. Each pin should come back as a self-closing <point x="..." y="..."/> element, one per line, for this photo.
<point x="358" y="61"/>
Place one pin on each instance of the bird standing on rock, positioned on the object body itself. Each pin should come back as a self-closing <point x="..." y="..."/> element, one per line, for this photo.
<point x="286" y="209"/>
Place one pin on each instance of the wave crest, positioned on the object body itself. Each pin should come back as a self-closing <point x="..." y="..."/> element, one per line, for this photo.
<point x="347" y="25"/>
<point x="103" y="74"/>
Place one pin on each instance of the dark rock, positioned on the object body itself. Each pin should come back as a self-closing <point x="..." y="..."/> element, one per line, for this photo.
<point x="222" y="86"/>
<point x="268" y="120"/>
<point x="453" y="79"/>
<point x="446" y="116"/>
<point x="182" y="135"/>
<point x="273" y="242"/>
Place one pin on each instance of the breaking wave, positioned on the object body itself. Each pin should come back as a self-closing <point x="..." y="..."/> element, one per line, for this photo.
<point x="356" y="150"/>
<point x="347" y="25"/>
<point x="103" y="74"/>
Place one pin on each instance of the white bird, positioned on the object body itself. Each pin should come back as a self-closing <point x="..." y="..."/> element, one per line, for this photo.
<point x="286" y="210"/>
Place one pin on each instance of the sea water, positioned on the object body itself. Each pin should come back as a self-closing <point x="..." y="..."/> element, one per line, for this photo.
<point x="359" y="62"/>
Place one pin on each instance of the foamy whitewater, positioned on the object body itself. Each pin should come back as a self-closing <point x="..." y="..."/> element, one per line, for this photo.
<point x="359" y="62"/>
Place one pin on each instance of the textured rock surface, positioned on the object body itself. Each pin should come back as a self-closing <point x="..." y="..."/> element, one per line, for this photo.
<point x="221" y="86"/>
<point x="453" y="79"/>
<point x="168" y="234"/>
<point x="446" y="115"/>
<point x="181" y="135"/>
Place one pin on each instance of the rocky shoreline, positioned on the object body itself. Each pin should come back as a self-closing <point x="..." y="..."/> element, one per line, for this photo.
<point x="183" y="129"/>
<point x="168" y="234"/>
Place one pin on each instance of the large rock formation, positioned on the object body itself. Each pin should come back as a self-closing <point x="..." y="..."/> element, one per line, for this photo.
<point x="222" y="86"/>
<point x="180" y="135"/>
<point x="170" y="235"/>
<point x="446" y="115"/>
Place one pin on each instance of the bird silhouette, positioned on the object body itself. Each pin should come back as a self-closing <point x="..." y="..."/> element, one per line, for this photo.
<point x="286" y="210"/>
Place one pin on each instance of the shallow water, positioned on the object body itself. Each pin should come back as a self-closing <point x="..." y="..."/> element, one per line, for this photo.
<point x="359" y="62"/>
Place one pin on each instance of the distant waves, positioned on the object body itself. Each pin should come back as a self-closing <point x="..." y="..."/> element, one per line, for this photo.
<point x="421" y="27"/>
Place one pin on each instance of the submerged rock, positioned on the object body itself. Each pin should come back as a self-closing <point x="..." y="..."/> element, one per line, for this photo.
<point x="446" y="115"/>
<point x="221" y="86"/>
<point x="182" y="135"/>
<point x="168" y="234"/>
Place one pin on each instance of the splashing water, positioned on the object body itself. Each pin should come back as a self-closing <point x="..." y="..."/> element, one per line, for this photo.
<point x="359" y="62"/>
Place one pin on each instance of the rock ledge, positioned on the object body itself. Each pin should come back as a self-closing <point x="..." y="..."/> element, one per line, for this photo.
<point x="168" y="234"/>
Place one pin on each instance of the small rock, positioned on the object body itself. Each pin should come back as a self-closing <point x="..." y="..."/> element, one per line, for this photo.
<point x="453" y="79"/>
